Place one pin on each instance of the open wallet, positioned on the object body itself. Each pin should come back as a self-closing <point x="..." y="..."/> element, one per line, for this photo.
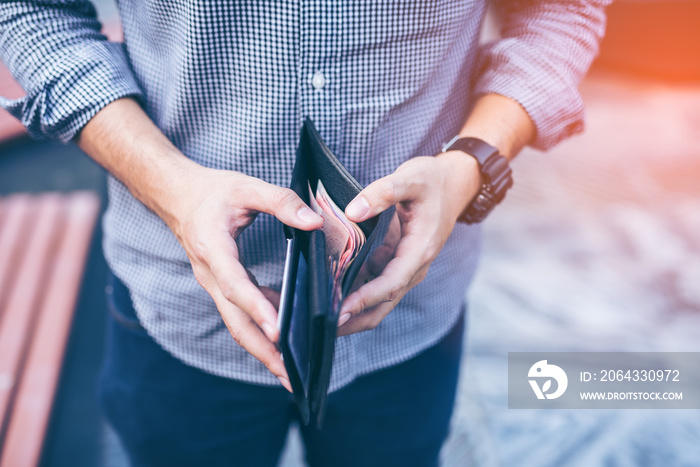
<point x="319" y="270"/>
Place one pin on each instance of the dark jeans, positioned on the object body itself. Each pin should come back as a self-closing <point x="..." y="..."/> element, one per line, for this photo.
<point x="168" y="413"/>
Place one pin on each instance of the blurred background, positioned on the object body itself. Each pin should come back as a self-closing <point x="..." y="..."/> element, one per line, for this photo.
<point x="596" y="248"/>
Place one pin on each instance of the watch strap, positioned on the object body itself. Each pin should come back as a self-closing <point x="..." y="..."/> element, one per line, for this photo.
<point x="496" y="177"/>
<point x="478" y="149"/>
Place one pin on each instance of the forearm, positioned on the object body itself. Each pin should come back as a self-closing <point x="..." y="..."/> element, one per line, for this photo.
<point x="124" y="140"/>
<point x="501" y="122"/>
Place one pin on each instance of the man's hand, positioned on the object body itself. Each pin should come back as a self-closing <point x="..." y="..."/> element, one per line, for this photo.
<point x="206" y="209"/>
<point x="211" y="211"/>
<point x="429" y="194"/>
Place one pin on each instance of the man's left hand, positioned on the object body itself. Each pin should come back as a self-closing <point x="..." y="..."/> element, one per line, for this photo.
<point x="429" y="194"/>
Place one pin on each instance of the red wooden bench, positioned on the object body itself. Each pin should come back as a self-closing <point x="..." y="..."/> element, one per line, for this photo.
<point x="44" y="240"/>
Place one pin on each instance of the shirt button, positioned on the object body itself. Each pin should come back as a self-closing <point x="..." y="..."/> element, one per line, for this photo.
<point x="318" y="81"/>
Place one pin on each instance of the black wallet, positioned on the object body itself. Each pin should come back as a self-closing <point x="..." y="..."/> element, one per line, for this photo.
<point x="308" y="320"/>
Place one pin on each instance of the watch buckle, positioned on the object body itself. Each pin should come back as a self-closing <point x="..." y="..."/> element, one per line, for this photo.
<point x="447" y="145"/>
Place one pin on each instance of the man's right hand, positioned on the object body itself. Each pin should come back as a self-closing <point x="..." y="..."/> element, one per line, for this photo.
<point x="206" y="209"/>
<point x="211" y="212"/>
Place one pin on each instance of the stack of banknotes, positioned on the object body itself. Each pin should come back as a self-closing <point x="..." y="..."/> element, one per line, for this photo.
<point x="344" y="239"/>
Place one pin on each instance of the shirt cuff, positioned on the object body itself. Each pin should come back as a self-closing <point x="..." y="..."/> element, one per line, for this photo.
<point x="511" y="69"/>
<point x="83" y="80"/>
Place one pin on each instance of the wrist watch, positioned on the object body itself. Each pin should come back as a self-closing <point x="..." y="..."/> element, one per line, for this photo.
<point x="495" y="172"/>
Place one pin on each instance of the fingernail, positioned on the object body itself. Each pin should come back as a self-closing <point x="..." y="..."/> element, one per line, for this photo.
<point x="344" y="319"/>
<point x="285" y="383"/>
<point x="269" y="331"/>
<point x="357" y="208"/>
<point x="307" y="215"/>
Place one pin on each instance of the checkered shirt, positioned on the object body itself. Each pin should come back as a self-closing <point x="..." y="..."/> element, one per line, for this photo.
<point x="230" y="83"/>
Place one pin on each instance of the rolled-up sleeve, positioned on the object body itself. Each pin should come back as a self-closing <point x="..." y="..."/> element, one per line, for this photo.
<point x="545" y="49"/>
<point x="67" y="68"/>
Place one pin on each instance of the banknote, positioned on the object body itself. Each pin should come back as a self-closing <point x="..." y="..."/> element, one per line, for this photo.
<point x="344" y="239"/>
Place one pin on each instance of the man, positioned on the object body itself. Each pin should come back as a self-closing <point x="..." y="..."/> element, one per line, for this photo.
<point x="197" y="116"/>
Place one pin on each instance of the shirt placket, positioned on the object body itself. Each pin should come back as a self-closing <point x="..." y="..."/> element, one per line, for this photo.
<point x="319" y="75"/>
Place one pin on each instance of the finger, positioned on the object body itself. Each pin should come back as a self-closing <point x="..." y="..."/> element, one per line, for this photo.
<point x="389" y="286"/>
<point x="367" y="320"/>
<point x="380" y="195"/>
<point x="370" y="318"/>
<point x="285" y="205"/>
<point x="249" y="336"/>
<point x="233" y="281"/>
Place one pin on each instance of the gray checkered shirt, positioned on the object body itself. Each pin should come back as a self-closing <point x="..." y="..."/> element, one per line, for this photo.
<point x="230" y="84"/>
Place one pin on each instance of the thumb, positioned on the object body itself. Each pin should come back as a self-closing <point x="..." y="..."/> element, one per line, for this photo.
<point x="377" y="197"/>
<point x="285" y="205"/>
